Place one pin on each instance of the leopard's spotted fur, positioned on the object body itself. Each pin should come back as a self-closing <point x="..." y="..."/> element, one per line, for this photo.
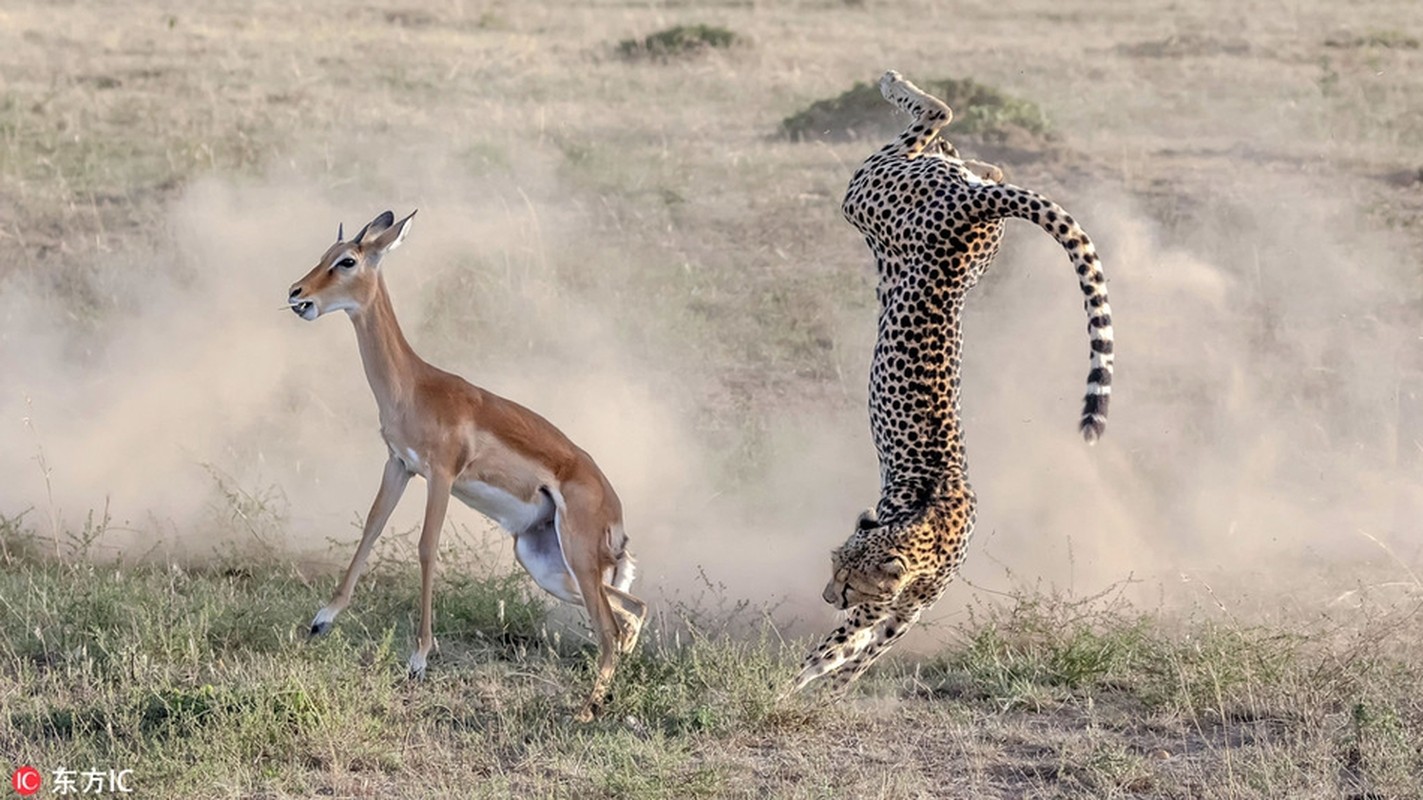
<point x="933" y="222"/>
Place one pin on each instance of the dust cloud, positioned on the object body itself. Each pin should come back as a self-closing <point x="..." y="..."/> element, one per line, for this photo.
<point x="1265" y="428"/>
<point x="203" y="413"/>
<point x="1265" y="421"/>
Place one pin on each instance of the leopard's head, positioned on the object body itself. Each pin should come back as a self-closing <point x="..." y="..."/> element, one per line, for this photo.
<point x="865" y="569"/>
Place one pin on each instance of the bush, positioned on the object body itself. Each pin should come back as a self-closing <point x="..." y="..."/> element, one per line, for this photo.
<point x="682" y="40"/>
<point x="980" y="111"/>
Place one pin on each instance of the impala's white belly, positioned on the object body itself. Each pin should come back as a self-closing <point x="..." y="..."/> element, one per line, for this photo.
<point x="540" y="550"/>
<point x="512" y="514"/>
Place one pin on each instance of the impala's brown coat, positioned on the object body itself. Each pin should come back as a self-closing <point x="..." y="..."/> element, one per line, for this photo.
<point x="495" y="455"/>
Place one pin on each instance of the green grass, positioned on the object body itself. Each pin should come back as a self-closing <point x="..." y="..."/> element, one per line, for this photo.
<point x="159" y="667"/>
<point x="200" y="679"/>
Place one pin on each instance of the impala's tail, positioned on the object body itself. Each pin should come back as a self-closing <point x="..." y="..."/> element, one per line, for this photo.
<point x="1013" y="201"/>
<point x="625" y="567"/>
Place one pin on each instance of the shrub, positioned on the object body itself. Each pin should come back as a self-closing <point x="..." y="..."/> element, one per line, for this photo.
<point x="979" y="111"/>
<point x="681" y="40"/>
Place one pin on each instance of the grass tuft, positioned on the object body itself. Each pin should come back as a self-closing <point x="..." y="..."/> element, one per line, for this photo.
<point x="1387" y="39"/>
<point x="679" y="41"/>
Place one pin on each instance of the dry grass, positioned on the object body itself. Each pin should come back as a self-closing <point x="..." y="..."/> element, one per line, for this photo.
<point x="690" y="208"/>
<point x="200" y="680"/>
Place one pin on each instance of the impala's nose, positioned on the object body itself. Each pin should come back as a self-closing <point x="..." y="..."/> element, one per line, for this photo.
<point x="302" y="308"/>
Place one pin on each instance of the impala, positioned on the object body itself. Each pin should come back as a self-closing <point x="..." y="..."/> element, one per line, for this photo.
<point x="500" y="458"/>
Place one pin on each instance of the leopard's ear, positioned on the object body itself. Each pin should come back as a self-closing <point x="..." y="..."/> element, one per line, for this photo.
<point x="867" y="521"/>
<point x="890" y="571"/>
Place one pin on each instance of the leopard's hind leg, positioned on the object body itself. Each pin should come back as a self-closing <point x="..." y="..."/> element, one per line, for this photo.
<point x="989" y="172"/>
<point x="930" y="114"/>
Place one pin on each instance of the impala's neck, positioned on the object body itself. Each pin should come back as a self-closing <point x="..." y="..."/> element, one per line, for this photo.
<point x="389" y="360"/>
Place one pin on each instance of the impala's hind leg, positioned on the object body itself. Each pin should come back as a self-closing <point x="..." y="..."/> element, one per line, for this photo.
<point x="630" y="612"/>
<point x="930" y="113"/>
<point x="583" y="532"/>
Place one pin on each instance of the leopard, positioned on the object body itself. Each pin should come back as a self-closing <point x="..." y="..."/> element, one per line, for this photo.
<point x="933" y="222"/>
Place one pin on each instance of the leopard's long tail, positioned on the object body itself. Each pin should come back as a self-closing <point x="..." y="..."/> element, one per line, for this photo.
<point x="1007" y="200"/>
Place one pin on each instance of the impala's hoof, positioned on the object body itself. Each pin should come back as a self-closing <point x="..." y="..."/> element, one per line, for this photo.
<point x="321" y="625"/>
<point x="416" y="668"/>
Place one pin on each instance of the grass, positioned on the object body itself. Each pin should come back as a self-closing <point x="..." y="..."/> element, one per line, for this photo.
<point x="679" y="41"/>
<point x="860" y="112"/>
<point x="201" y="680"/>
<point x="673" y="189"/>
<point x="159" y="667"/>
<point x="1390" y="39"/>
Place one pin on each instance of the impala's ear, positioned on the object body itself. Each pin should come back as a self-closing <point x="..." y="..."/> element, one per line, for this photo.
<point x="374" y="227"/>
<point x="390" y="236"/>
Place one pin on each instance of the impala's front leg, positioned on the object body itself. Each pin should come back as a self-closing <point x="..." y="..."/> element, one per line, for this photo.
<point x="392" y="486"/>
<point x="436" y="503"/>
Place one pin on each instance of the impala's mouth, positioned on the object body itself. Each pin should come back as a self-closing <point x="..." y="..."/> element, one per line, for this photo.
<point x="304" y="309"/>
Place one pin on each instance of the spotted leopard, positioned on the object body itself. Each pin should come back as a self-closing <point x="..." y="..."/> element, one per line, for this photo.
<point x="933" y="222"/>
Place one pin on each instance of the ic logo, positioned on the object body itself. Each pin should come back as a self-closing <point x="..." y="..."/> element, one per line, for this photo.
<point x="26" y="781"/>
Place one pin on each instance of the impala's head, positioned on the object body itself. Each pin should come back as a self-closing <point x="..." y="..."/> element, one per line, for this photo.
<point x="348" y="275"/>
<point x="865" y="569"/>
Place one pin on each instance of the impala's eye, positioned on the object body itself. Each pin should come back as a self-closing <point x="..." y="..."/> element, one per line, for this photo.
<point x="346" y="263"/>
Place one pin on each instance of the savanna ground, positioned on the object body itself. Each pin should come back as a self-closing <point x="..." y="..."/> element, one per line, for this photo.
<point x="720" y="239"/>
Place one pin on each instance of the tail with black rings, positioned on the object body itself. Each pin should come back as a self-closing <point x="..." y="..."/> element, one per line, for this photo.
<point x="1007" y="200"/>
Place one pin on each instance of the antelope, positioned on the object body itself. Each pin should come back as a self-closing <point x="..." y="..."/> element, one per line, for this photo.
<point x="498" y="457"/>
